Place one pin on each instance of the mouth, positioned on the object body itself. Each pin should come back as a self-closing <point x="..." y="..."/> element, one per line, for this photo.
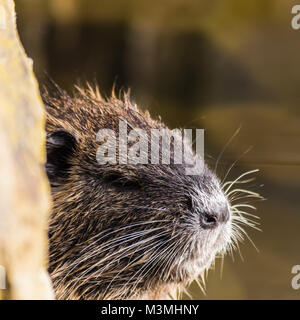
<point x="199" y="255"/>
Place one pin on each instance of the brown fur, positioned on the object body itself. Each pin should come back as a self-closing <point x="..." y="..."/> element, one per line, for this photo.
<point x="123" y="231"/>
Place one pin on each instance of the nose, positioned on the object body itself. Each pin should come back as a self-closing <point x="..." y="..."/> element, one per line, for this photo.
<point x="209" y="220"/>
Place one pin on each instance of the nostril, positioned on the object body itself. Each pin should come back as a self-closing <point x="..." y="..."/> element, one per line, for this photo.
<point x="208" y="221"/>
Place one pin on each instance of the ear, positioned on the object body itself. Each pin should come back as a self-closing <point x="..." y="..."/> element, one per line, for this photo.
<point x="61" y="146"/>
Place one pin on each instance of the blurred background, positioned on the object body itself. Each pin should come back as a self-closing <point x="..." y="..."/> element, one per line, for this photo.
<point x="209" y="64"/>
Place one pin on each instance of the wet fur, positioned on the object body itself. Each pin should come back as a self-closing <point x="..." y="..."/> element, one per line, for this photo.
<point x="123" y="231"/>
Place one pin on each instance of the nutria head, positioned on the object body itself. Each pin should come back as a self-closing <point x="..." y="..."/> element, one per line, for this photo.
<point x="125" y="230"/>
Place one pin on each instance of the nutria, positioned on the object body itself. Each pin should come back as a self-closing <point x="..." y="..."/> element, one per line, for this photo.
<point x="126" y="231"/>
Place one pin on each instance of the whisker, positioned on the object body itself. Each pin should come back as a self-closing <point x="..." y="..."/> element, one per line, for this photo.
<point x="101" y="270"/>
<point x="244" y="191"/>
<point x="115" y="243"/>
<point x="243" y="205"/>
<point x="151" y="245"/>
<point x="225" y="147"/>
<point x="141" y="272"/>
<point x="248" y="237"/>
<point x="241" y="176"/>
<point x="121" y="250"/>
<point x="246" y="213"/>
<point x="239" y="182"/>
<point x="236" y="161"/>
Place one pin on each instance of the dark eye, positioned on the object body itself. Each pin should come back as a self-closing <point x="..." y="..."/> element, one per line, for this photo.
<point x="119" y="181"/>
